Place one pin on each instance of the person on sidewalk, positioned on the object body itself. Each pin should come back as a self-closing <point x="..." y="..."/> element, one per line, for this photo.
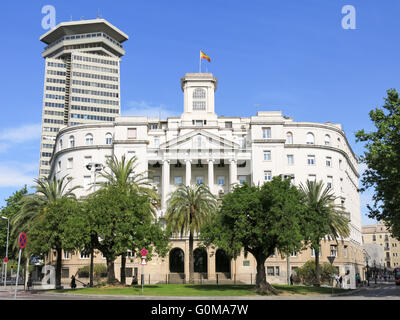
<point x="73" y="284"/>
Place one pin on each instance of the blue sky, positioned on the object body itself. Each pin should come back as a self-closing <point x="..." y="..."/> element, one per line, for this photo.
<point x="284" y="55"/>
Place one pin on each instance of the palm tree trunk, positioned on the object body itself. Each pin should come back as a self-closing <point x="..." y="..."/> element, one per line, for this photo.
<point x="191" y="260"/>
<point x="58" y="268"/>
<point x="317" y="280"/>
<point x="91" y="268"/>
<point x="123" y="264"/>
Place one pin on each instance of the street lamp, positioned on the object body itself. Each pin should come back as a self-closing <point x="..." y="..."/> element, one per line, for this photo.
<point x="93" y="167"/>
<point x="5" y="263"/>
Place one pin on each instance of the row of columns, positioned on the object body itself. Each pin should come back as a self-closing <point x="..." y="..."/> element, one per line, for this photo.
<point x="188" y="177"/>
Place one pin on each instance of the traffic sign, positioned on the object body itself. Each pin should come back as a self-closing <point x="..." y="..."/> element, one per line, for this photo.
<point x="143" y="252"/>
<point x="5" y="259"/>
<point x="23" y="239"/>
<point x="143" y="263"/>
<point x="331" y="259"/>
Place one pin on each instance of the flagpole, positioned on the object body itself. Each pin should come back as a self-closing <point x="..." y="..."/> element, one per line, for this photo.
<point x="200" y="62"/>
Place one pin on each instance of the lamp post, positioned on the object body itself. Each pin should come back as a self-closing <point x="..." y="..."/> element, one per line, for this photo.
<point x="93" y="167"/>
<point x="5" y="263"/>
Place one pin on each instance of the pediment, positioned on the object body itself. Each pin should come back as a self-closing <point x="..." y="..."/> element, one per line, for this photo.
<point x="199" y="139"/>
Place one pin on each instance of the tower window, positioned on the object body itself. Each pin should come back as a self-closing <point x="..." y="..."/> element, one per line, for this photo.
<point x="199" y="93"/>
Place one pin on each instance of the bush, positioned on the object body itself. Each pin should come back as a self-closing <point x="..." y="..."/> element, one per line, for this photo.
<point x="307" y="273"/>
<point x="99" y="271"/>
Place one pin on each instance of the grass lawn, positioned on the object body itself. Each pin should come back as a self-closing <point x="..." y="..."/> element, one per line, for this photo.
<point x="197" y="290"/>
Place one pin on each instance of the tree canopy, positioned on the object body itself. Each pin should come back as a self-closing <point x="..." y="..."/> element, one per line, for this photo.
<point x="382" y="160"/>
<point x="259" y="219"/>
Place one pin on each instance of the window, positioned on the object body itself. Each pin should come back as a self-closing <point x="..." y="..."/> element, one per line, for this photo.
<point x="289" y="138"/>
<point x="153" y="126"/>
<point x="340" y="164"/>
<point x="156" y="179"/>
<point x="199" y="180"/>
<point x="242" y="179"/>
<point x="131" y="133"/>
<point x="266" y="132"/>
<point x="246" y="263"/>
<point x="65" y="273"/>
<point x="66" y="255"/>
<point x="221" y="180"/>
<point x="329" y="182"/>
<point x="228" y="124"/>
<point x="333" y="250"/>
<point x="293" y="254"/>
<point x="199" y="105"/>
<point x="89" y="139"/>
<point x="199" y="93"/>
<point x="84" y="255"/>
<point x="270" y="271"/>
<point x="108" y="138"/>
<point x="70" y="163"/>
<point x="61" y="144"/>
<point x="312" y="177"/>
<point x="277" y="271"/>
<point x="290" y="159"/>
<point x="267" y="175"/>
<point x="327" y="140"/>
<point x="313" y="252"/>
<point x="71" y="141"/>
<point x="311" y="160"/>
<point x="86" y="182"/>
<point x="177" y="180"/>
<point x="310" y="138"/>
<point x="328" y="161"/>
<point x="59" y="166"/>
<point x="345" y="251"/>
<point x="156" y="142"/>
<point x="267" y="155"/>
<point x="373" y="237"/>
<point x="198" y="123"/>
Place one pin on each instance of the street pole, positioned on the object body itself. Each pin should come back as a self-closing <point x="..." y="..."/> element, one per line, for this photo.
<point x="288" y="269"/>
<point x="5" y="264"/>
<point x="16" y="281"/>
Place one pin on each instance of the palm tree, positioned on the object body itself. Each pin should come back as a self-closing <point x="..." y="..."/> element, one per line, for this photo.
<point x="122" y="174"/>
<point x="328" y="218"/>
<point x="34" y="206"/>
<point x="187" y="209"/>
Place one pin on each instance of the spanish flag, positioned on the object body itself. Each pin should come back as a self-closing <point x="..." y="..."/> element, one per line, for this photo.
<point x="204" y="56"/>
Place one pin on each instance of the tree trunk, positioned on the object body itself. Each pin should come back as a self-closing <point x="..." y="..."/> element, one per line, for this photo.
<point x="123" y="264"/>
<point x="191" y="260"/>
<point x="317" y="281"/>
<point x="91" y="268"/>
<point x="58" y="268"/>
<point x="262" y="286"/>
<point x="110" y="271"/>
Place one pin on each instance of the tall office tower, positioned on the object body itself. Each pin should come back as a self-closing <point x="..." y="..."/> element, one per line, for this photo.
<point x="82" y="79"/>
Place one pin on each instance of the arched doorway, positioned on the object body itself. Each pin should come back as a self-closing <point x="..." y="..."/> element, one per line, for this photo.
<point x="176" y="261"/>
<point x="200" y="260"/>
<point x="222" y="262"/>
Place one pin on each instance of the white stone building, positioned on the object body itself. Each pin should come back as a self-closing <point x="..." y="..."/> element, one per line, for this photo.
<point x="199" y="146"/>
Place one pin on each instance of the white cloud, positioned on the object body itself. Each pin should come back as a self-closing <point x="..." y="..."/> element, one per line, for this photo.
<point x="17" y="174"/>
<point x="143" y="108"/>
<point x="21" y="134"/>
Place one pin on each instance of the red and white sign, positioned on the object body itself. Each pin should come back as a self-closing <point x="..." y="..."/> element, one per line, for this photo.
<point x="143" y="252"/>
<point x="5" y="259"/>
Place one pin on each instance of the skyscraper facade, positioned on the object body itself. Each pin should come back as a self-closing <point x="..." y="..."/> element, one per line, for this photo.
<point x="82" y="79"/>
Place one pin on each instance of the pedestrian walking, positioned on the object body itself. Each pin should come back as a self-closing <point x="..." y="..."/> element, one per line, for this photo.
<point x="340" y="281"/>
<point x="29" y="282"/>
<point x="73" y="284"/>
<point x="291" y="279"/>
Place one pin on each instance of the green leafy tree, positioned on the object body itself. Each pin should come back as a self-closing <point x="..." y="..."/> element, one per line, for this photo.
<point x="324" y="218"/>
<point x="47" y="231"/>
<point x="122" y="173"/>
<point x="258" y="219"/>
<point x="117" y="219"/>
<point x="382" y="160"/>
<point x="188" y="208"/>
<point x="34" y="207"/>
<point x="307" y="272"/>
<point x="12" y="207"/>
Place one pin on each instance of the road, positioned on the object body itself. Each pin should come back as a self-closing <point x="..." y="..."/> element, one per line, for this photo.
<point x="382" y="291"/>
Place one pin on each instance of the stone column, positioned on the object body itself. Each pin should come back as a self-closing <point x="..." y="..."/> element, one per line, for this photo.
<point x="232" y="173"/>
<point x="188" y="172"/>
<point x="211" y="175"/>
<point x="165" y="184"/>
